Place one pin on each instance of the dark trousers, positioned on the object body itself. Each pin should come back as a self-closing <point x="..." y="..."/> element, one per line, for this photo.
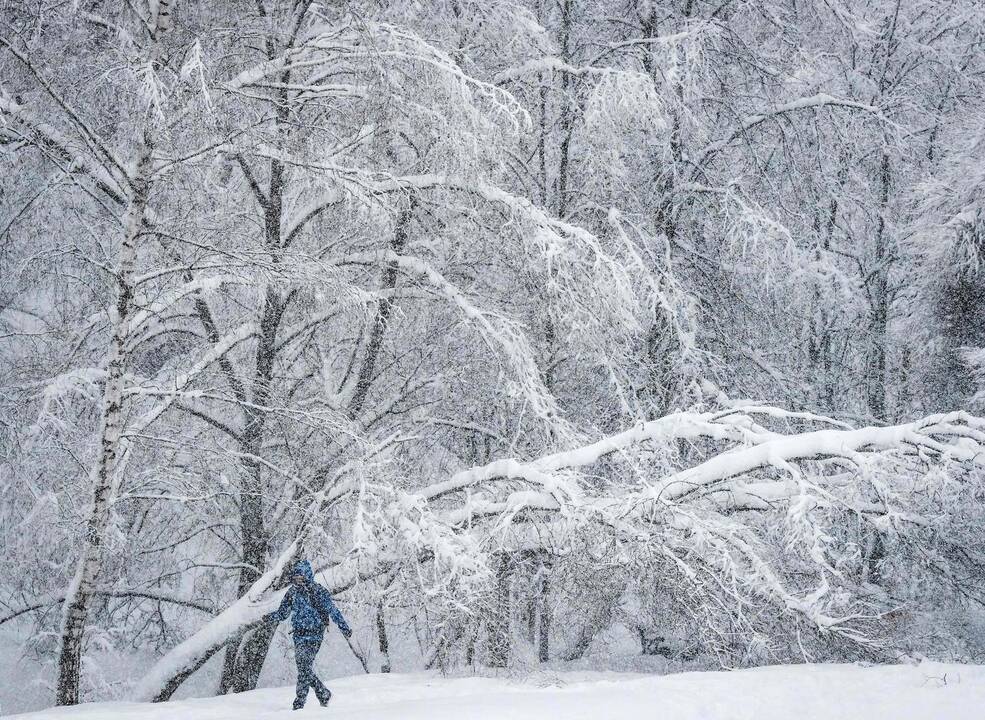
<point x="305" y="650"/>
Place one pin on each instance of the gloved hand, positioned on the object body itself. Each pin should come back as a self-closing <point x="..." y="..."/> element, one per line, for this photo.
<point x="346" y="632"/>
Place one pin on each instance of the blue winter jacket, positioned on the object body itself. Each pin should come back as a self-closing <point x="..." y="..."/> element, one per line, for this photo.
<point x="306" y="620"/>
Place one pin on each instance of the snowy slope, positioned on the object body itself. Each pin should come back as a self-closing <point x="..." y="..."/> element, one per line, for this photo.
<point x="930" y="691"/>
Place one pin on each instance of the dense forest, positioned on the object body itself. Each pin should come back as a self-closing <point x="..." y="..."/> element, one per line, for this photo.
<point x="525" y="321"/>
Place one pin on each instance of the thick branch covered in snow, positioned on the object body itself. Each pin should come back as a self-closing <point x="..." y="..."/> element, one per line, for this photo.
<point x="167" y="674"/>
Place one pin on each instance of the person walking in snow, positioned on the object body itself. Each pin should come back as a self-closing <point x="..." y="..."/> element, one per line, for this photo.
<point x="312" y="609"/>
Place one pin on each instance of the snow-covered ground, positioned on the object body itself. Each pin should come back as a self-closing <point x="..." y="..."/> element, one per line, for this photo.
<point x="930" y="691"/>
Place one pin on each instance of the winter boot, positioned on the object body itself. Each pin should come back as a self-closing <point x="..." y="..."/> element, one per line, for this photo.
<point x="323" y="699"/>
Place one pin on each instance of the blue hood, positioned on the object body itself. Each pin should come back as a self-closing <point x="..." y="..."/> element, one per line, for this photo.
<point x="304" y="568"/>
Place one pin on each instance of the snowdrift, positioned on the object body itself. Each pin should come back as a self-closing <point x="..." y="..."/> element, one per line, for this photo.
<point x="929" y="691"/>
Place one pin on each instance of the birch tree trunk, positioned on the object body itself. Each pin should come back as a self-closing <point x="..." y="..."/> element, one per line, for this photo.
<point x="113" y="447"/>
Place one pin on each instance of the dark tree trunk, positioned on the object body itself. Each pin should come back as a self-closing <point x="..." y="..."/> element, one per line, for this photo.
<point x="880" y="300"/>
<point x="819" y="347"/>
<point x="498" y="625"/>
<point x="544" y="628"/>
<point x="568" y="109"/>
<point x="470" y="646"/>
<point x="531" y="613"/>
<point x="243" y="662"/>
<point x="112" y="443"/>
<point x="651" y="643"/>
<point x="374" y="345"/>
<point x="383" y="638"/>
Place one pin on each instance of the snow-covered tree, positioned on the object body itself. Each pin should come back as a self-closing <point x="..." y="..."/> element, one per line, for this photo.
<point x="522" y="320"/>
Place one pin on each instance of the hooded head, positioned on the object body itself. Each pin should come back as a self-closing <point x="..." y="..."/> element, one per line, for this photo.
<point x="303" y="569"/>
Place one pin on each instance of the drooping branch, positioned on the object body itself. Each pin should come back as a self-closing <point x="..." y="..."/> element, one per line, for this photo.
<point x="486" y="499"/>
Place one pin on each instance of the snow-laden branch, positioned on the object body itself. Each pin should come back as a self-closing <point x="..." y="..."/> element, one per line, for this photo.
<point x="171" y="297"/>
<point x="295" y="222"/>
<point x="548" y="64"/>
<point x="751" y="121"/>
<point x="929" y="435"/>
<point x="787" y="476"/>
<point x="573" y="262"/>
<point x="503" y="335"/>
<point x="35" y="130"/>
<point x="104" y="154"/>
<point x="551" y="63"/>
<point x="677" y="426"/>
<point x="332" y="50"/>
<point x="176" y="390"/>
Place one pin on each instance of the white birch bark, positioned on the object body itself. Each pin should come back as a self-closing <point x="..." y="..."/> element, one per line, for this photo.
<point x="113" y="446"/>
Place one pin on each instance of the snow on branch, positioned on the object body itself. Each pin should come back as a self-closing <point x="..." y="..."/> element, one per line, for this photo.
<point x="168" y="299"/>
<point x="503" y="335"/>
<point x="178" y="388"/>
<point x="791" y="480"/>
<point x="551" y="63"/>
<point x="805" y="103"/>
<point x="744" y="480"/>
<point x="104" y="154"/>
<point x="55" y="598"/>
<point x="332" y="50"/>
<point x="49" y="139"/>
<point x="574" y="262"/>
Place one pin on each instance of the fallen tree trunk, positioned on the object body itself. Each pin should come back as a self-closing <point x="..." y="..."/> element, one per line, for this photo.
<point x="231" y="624"/>
<point x="166" y="676"/>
